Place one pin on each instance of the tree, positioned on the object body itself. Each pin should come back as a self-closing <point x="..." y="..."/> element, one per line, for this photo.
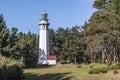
<point x="53" y="47"/>
<point x="13" y="41"/>
<point x="69" y="45"/>
<point x="4" y="38"/>
<point x="28" y="48"/>
<point x="102" y="32"/>
<point x="101" y="4"/>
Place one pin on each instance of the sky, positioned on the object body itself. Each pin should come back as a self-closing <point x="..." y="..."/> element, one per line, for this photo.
<point x="25" y="14"/>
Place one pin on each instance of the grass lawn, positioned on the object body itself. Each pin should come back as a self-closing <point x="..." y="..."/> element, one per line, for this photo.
<point x="68" y="72"/>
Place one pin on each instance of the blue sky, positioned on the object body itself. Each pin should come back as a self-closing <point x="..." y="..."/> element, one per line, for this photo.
<point x="25" y="14"/>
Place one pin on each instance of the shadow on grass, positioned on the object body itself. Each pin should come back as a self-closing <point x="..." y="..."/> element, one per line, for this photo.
<point x="29" y="76"/>
<point x="41" y="66"/>
<point x="53" y="76"/>
<point x="44" y="66"/>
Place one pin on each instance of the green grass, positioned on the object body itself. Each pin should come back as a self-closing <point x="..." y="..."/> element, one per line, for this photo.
<point x="67" y="72"/>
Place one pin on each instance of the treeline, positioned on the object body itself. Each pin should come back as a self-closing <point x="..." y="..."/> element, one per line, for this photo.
<point x="18" y="45"/>
<point x="66" y="44"/>
<point x="98" y="40"/>
<point x="102" y="32"/>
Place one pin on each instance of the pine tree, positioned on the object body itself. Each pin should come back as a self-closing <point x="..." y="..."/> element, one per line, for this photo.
<point x="4" y="38"/>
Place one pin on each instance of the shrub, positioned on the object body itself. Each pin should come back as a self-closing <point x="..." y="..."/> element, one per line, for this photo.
<point x="10" y="62"/>
<point x="79" y="66"/>
<point x="114" y="66"/>
<point x="94" y="71"/>
<point x="91" y="66"/>
<point x="98" y="70"/>
<point x="10" y="70"/>
<point x="13" y="72"/>
<point x="103" y="70"/>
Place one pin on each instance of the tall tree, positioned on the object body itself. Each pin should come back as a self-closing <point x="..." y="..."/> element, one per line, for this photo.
<point x="4" y="38"/>
<point x="53" y="47"/>
<point x="103" y="30"/>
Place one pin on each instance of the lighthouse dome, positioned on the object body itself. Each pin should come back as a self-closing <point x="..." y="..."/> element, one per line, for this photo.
<point x="44" y="15"/>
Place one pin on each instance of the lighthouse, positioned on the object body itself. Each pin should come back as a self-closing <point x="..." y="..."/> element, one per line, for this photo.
<point x="44" y="56"/>
<point x="43" y="39"/>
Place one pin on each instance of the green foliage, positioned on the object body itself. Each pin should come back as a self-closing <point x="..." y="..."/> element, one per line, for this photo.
<point x="115" y="7"/>
<point x="10" y="62"/>
<point x="114" y="66"/>
<point x="10" y="69"/>
<point x="100" y="4"/>
<point x="97" y="41"/>
<point x="4" y="37"/>
<point x="98" y="70"/>
<point x="70" y="48"/>
<point x="53" y="42"/>
<point x="11" y="72"/>
<point x="104" y="68"/>
<point x="27" y="48"/>
<point x="102" y="32"/>
<point x="19" y="46"/>
<point x="7" y="40"/>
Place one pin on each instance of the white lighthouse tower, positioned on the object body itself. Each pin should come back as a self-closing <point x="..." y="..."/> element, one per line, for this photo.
<point x="43" y="39"/>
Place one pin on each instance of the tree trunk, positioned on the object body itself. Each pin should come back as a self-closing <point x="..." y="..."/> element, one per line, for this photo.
<point x="91" y="49"/>
<point x="103" y="56"/>
<point x="0" y="58"/>
<point x="75" y="60"/>
<point x="114" y="56"/>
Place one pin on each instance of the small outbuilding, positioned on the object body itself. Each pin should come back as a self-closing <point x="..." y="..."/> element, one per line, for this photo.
<point x="51" y="60"/>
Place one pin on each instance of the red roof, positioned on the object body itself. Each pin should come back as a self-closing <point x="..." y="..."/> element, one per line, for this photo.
<point x="51" y="57"/>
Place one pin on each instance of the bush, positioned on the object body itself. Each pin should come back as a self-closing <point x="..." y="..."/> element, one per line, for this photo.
<point x="13" y="72"/>
<point x="91" y="66"/>
<point x="10" y="70"/>
<point x="79" y="66"/>
<point x="104" y="70"/>
<point x="10" y="62"/>
<point x="114" y="66"/>
<point x="94" y="71"/>
<point x="98" y="70"/>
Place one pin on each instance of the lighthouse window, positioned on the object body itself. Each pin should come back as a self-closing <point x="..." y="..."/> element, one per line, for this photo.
<point x="44" y="27"/>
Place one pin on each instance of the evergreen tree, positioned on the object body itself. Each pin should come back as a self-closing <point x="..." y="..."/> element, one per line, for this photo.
<point x="4" y="38"/>
<point x="52" y="38"/>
